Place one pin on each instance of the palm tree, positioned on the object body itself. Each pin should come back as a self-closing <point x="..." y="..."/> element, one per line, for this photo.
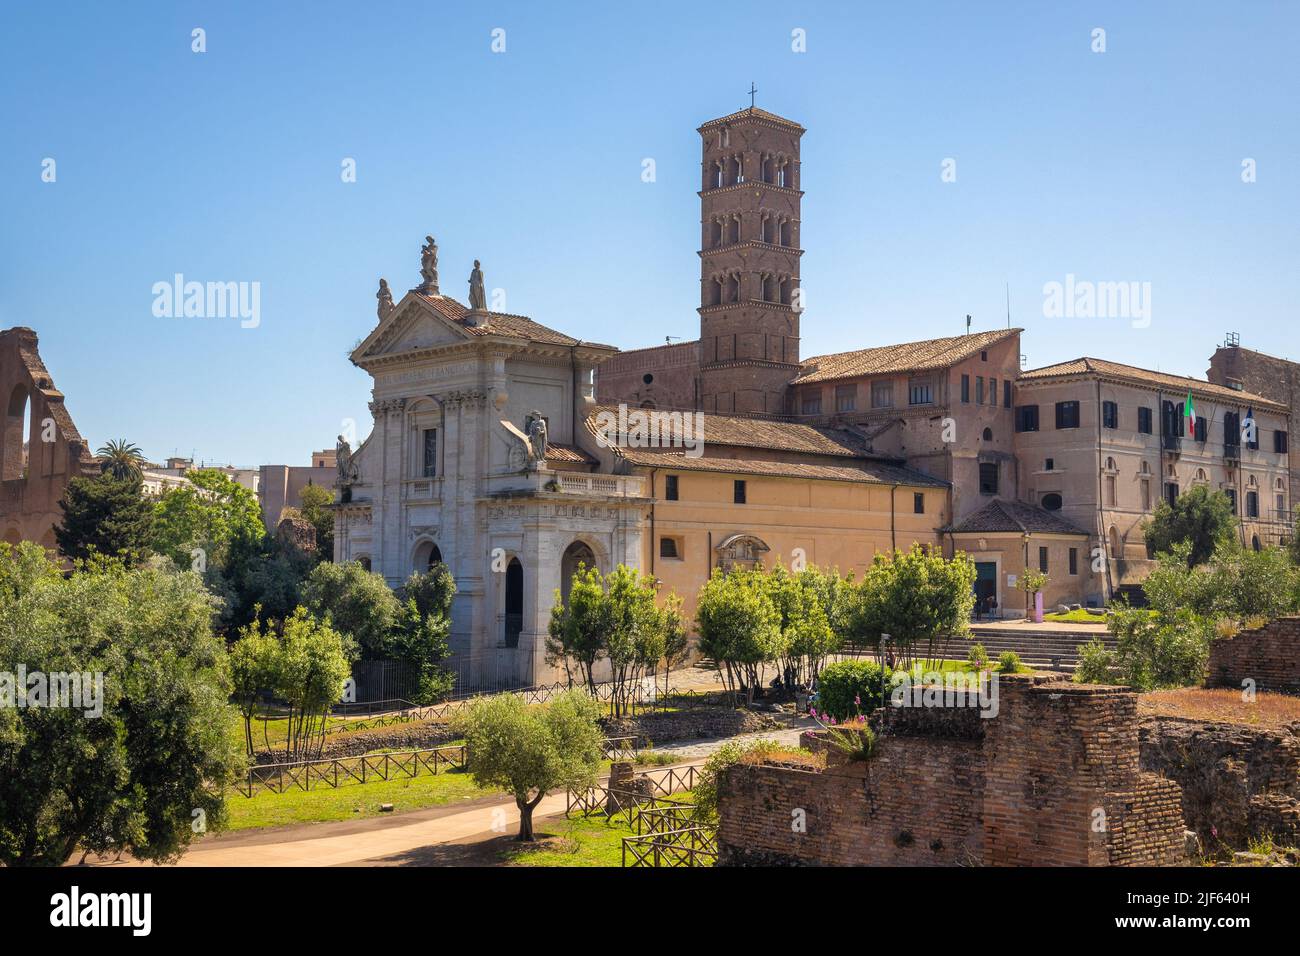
<point x="121" y="459"/>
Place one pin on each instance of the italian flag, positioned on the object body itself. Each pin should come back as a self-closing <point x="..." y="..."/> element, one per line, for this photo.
<point x="1191" y="415"/>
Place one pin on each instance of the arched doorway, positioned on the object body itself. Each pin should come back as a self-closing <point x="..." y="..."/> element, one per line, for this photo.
<point x="427" y="554"/>
<point x="514" y="622"/>
<point x="578" y="553"/>
<point x="17" y="437"/>
<point x="1116" y="554"/>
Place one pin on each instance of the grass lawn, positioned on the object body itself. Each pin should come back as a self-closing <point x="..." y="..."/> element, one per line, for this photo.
<point x="1076" y="617"/>
<point x="580" y="841"/>
<point x="349" y="802"/>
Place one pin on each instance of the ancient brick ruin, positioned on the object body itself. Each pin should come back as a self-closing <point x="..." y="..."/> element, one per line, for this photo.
<point x="1053" y="779"/>
<point x="1268" y="655"/>
<point x="34" y="476"/>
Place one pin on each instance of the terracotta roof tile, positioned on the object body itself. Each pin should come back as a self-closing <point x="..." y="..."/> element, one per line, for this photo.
<point x="1003" y="515"/>
<point x="870" y="472"/>
<point x="1129" y="373"/>
<point x="500" y="323"/>
<point x="765" y="433"/>
<point x="751" y="112"/>
<point x="904" y="357"/>
<point x="557" y="452"/>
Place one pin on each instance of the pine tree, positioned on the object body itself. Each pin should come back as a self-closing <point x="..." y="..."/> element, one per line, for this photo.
<point x="106" y="515"/>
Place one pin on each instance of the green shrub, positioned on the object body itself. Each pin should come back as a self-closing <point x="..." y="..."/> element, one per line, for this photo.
<point x="977" y="655"/>
<point x="1009" y="662"/>
<point x="848" y="688"/>
<point x="1096" y="664"/>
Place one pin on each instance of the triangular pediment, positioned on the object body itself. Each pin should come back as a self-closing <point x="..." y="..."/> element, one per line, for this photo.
<point x="414" y="323"/>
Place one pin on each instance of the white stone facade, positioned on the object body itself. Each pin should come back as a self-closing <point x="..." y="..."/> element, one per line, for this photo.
<point x="474" y="495"/>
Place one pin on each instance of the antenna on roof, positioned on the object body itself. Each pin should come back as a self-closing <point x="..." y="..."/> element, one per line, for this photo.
<point x="968" y="323"/>
<point x="668" y="339"/>
<point x="1232" y="340"/>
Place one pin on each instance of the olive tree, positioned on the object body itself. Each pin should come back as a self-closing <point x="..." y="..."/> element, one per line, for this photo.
<point x="528" y="751"/>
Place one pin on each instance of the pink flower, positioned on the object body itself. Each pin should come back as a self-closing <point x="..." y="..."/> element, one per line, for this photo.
<point x="1214" y="832"/>
<point x="857" y="700"/>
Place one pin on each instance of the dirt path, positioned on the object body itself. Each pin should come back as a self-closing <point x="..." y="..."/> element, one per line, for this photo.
<point x="445" y="835"/>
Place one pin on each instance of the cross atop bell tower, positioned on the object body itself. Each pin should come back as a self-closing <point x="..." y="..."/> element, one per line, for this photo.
<point x="749" y="262"/>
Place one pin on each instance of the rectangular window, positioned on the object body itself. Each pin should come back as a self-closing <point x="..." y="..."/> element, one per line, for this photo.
<point x="918" y="503"/>
<point x="812" y="403"/>
<point x="1231" y="430"/>
<point x="882" y="395"/>
<point x="1110" y="491"/>
<point x="1074" y="560"/>
<point x="1006" y="393"/>
<point x="988" y="477"/>
<point x="1146" y="495"/>
<point x="1279" y="441"/>
<point x="670" y="487"/>
<point x="1067" y="414"/>
<point x="1042" y="560"/>
<point x="1253" y="440"/>
<point x="738" y="492"/>
<point x="1171" y="491"/>
<point x="668" y="548"/>
<point x="965" y="389"/>
<point x="430" y="453"/>
<point x="846" y="397"/>
<point x="993" y="392"/>
<point x="1232" y="498"/>
<point x="1202" y="429"/>
<point x="1144" y="421"/>
<point x="1109" y="415"/>
<point x="1252" y="504"/>
<point x="1049" y="464"/>
<point x="1026" y="418"/>
<point x="920" y="391"/>
<point x="979" y="389"/>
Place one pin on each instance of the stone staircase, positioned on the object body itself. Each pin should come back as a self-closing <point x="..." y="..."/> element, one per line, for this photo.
<point x="1037" y="648"/>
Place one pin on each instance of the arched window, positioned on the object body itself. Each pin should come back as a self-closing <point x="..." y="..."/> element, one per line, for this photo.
<point x="988" y="434"/>
<point x="577" y="555"/>
<point x="1110" y="464"/>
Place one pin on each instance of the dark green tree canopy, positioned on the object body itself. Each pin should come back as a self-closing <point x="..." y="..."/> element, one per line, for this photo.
<point x="1200" y="517"/>
<point x="105" y="515"/>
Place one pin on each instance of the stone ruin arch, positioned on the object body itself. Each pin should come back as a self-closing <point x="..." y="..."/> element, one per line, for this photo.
<point x="33" y="478"/>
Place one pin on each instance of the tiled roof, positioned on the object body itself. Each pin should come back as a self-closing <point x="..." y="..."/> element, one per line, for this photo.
<point x="870" y="472"/>
<point x="751" y="112"/>
<point x="765" y="433"/>
<point x="557" y="452"/>
<point x="1177" y="383"/>
<point x="1003" y="515"/>
<point x="904" y="357"/>
<point x="500" y="323"/>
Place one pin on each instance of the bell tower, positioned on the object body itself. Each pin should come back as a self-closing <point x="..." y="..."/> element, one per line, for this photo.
<point x="749" y="262"/>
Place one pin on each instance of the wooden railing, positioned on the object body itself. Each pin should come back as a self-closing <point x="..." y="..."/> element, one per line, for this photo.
<point x="335" y="772"/>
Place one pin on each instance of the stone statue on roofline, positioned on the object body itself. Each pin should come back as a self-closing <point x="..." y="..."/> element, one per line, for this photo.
<point x="535" y="429"/>
<point x="429" y="266"/>
<point x="477" y="300"/>
<point x="385" y="297"/>
<point x="347" y="468"/>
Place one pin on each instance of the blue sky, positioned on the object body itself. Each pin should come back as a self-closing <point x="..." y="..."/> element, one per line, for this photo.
<point x="225" y="166"/>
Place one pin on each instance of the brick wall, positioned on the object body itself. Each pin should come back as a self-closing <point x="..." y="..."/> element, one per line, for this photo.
<point x="1269" y="655"/>
<point x="1054" y="781"/>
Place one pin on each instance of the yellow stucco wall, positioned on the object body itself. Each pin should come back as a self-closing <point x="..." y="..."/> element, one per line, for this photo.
<point x="837" y="524"/>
